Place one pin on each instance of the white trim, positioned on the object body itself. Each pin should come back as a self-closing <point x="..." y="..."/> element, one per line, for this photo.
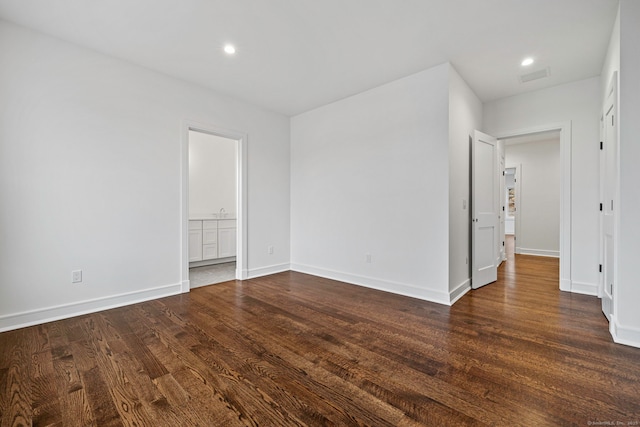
<point x="241" y="209"/>
<point x="624" y="335"/>
<point x="373" y="283"/>
<point x="565" y="191"/>
<point x="537" y="252"/>
<point x="459" y="291"/>
<point x="63" y="311"/>
<point x="584" y="288"/>
<point x="265" y="271"/>
<point x="601" y="163"/>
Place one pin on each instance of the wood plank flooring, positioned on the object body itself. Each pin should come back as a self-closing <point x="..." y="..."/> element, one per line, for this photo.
<point x="294" y="350"/>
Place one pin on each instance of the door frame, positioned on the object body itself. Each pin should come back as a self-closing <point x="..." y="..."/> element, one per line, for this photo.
<point x="502" y="209"/>
<point x="241" y="139"/>
<point x="565" y="191"/>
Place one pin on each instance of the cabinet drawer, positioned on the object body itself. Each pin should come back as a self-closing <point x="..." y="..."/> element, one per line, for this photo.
<point x="209" y="236"/>
<point x="210" y="224"/>
<point x="209" y="251"/>
<point x="227" y="223"/>
<point x="195" y="225"/>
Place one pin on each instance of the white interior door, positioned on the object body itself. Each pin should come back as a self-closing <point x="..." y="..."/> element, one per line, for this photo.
<point x="609" y="164"/>
<point x="484" y="189"/>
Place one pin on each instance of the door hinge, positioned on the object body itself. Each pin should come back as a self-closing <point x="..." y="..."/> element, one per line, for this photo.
<point x="503" y="173"/>
<point x="503" y="243"/>
<point x="503" y="209"/>
<point x="600" y="207"/>
<point x="600" y="268"/>
<point x="601" y="145"/>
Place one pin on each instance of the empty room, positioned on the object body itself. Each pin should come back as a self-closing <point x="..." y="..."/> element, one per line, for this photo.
<point x="296" y="212"/>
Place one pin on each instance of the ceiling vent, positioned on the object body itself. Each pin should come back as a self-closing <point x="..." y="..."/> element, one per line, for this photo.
<point x="540" y="74"/>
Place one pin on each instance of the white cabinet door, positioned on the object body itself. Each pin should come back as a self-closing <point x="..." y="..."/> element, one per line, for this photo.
<point x="209" y="243"/>
<point x="195" y="245"/>
<point x="209" y="251"/>
<point x="226" y="242"/>
<point x="209" y="239"/>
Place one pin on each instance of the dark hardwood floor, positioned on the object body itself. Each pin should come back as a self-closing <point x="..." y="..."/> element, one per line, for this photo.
<point x="292" y="349"/>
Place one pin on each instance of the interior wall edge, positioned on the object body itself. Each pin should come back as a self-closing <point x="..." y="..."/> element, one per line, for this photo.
<point x="459" y="291"/>
<point x="623" y="334"/>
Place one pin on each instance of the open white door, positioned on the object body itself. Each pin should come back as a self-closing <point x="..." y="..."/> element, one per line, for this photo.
<point x="608" y="176"/>
<point x="484" y="189"/>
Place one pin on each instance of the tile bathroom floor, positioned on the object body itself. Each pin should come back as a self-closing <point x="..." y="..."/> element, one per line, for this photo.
<point x="211" y="274"/>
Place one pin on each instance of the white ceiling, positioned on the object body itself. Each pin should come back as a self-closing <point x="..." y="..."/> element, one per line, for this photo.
<point x="296" y="55"/>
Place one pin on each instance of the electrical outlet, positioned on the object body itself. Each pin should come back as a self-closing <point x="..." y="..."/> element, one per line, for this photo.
<point x="270" y="250"/>
<point x="76" y="276"/>
<point x="464" y="204"/>
<point x="368" y="258"/>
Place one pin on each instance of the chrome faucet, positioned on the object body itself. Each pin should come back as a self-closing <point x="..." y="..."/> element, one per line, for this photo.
<point x="222" y="213"/>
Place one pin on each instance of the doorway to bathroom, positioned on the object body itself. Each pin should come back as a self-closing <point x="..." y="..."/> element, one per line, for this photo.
<point x="213" y="207"/>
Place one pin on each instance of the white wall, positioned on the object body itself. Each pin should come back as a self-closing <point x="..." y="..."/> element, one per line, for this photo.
<point x="579" y="103"/>
<point x="539" y="196"/>
<point x="611" y="61"/>
<point x="212" y="174"/>
<point x="626" y="321"/>
<point x="465" y="116"/>
<point x="90" y="178"/>
<point x="369" y="175"/>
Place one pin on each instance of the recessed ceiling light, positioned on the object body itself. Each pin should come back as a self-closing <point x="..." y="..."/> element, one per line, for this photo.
<point x="230" y="49"/>
<point x="526" y="62"/>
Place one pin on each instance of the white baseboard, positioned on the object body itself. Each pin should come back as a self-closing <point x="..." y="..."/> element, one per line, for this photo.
<point x="186" y="286"/>
<point x="373" y="283"/>
<point x="459" y="291"/>
<point x="49" y="314"/>
<point x="584" y="288"/>
<point x="537" y="252"/>
<point x="265" y="271"/>
<point x="624" y="335"/>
